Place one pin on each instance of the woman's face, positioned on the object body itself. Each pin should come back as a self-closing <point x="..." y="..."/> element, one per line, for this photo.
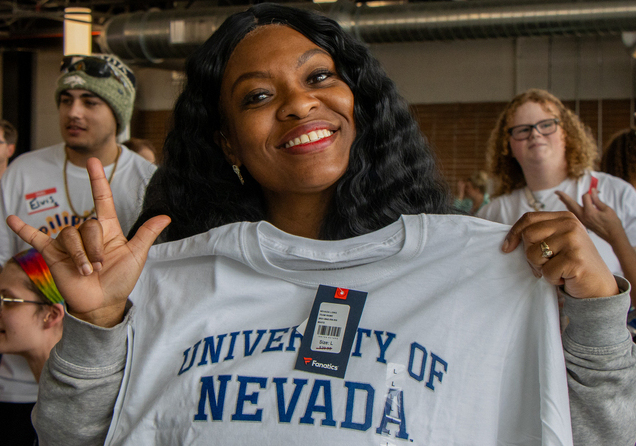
<point x="538" y="150"/>
<point x="288" y="117"/>
<point x="20" y="323"/>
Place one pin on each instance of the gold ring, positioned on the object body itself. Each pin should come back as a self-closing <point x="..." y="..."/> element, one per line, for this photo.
<point x="546" y="252"/>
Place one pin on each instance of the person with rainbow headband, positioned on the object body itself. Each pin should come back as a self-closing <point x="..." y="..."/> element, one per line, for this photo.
<point x="31" y="314"/>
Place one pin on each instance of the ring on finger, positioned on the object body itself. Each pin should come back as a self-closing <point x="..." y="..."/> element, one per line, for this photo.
<point x="546" y="252"/>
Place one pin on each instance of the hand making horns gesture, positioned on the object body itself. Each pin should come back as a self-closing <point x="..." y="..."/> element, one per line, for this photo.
<point x="94" y="266"/>
<point x="558" y="248"/>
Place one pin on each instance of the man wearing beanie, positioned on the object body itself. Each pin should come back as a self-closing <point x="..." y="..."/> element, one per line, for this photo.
<point x="49" y="188"/>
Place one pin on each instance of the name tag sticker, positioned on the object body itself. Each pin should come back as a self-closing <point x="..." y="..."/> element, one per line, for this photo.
<point x="42" y="200"/>
<point x="330" y="330"/>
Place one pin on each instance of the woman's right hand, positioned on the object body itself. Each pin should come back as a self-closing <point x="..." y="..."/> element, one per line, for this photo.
<point x="94" y="266"/>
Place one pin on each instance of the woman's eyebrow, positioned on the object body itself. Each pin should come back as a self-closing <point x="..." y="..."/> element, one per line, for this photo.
<point x="250" y="75"/>
<point x="309" y="54"/>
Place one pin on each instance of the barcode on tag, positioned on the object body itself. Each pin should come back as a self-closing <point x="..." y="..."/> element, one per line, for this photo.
<point x="330" y="324"/>
<point x="325" y="330"/>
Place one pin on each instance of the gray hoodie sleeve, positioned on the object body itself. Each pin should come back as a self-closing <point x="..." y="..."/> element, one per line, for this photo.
<point x="80" y="383"/>
<point x="601" y="364"/>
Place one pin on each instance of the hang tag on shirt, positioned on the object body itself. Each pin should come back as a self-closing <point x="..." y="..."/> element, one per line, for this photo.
<point x="330" y="331"/>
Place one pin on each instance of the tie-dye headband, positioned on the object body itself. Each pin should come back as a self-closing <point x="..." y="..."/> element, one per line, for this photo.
<point x="35" y="267"/>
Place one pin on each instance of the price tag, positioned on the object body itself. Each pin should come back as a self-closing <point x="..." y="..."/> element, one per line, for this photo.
<point x="330" y="331"/>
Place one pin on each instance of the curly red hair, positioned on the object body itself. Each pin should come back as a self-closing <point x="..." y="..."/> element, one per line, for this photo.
<point x="580" y="148"/>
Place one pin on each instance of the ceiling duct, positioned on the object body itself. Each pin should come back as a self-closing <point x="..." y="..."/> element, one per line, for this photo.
<point x="151" y="36"/>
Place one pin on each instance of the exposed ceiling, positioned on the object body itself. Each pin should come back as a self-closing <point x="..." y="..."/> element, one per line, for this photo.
<point x="34" y="24"/>
<point x="142" y="30"/>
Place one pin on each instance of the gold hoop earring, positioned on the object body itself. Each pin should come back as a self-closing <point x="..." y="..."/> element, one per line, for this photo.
<point x="237" y="171"/>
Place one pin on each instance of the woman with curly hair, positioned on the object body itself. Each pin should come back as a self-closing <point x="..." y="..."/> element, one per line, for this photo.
<point x="294" y="301"/>
<point x="541" y="156"/>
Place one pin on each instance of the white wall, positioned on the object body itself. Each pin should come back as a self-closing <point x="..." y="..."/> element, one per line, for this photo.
<point x="495" y="70"/>
<point x="427" y="72"/>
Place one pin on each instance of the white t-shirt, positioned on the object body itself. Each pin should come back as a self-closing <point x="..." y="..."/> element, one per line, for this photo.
<point x="614" y="192"/>
<point x="458" y="343"/>
<point x="33" y="188"/>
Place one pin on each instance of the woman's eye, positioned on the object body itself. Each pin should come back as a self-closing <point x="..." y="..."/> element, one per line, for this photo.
<point x="255" y="98"/>
<point x="320" y="76"/>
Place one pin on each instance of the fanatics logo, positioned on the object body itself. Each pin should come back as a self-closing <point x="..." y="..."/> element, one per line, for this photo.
<point x="323" y="366"/>
<point x="341" y="293"/>
<point x="307" y="360"/>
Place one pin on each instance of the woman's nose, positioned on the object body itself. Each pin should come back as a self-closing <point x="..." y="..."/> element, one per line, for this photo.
<point x="534" y="132"/>
<point x="298" y="103"/>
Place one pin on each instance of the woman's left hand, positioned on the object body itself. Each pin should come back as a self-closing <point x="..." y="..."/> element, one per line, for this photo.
<point x="595" y="215"/>
<point x="573" y="262"/>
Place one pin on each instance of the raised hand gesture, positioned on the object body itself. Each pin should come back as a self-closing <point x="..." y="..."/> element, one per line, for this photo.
<point x="601" y="218"/>
<point x="595" y="215"/>
<point x="94" y="266"/>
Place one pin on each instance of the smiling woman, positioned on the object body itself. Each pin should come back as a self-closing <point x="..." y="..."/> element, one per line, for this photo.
<point x="30" y="309"/>
<point x="31" y="317"/>
<point x="296" y="301"/>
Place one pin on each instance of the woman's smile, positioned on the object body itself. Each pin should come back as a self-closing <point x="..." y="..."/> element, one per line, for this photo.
<point x="313" y="136"/>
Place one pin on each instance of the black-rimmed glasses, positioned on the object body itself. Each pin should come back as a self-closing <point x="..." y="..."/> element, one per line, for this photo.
<point x="11" y="300"/>
<point x="94" y="67"/>
<point x="545" y="127"/>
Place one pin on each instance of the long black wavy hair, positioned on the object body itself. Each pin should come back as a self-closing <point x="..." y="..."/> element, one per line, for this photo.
<point x="391" y="167"/>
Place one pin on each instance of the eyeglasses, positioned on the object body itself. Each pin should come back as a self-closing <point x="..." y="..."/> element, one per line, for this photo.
<point x="545" y="127"/>
<point x="6" y="300"/>
<point x="95" y="67"/>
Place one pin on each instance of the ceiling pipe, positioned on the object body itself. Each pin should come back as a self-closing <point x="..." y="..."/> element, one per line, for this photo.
<point x="154" y="35"/>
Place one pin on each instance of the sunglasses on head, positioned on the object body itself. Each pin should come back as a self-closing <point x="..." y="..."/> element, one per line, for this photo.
<point x="94" y="67"/>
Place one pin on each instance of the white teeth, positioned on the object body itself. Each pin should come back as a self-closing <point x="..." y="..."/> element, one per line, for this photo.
<point x="309" y="137"/>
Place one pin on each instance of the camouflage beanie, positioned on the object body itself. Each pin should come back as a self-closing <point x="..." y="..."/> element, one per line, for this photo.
<point x="117" y="90"/>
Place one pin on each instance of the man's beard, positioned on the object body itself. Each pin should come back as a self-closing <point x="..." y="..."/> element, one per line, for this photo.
<point x="82" y="150"/>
